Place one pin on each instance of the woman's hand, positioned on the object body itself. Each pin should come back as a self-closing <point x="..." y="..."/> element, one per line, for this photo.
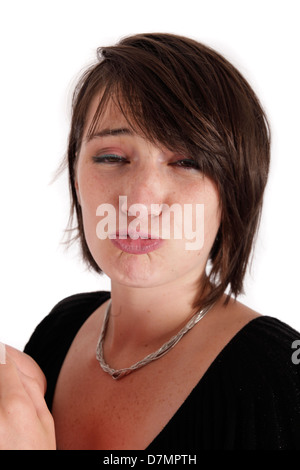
<point x="25" y="421"/>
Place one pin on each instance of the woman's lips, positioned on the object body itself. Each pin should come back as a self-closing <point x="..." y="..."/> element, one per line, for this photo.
<point x="139" y="246"/>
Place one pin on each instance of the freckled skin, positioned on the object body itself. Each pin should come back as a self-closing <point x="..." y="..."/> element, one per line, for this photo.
<point x="149" y="176"/>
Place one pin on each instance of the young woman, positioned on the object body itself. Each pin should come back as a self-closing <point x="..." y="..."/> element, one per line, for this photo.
<point x="164" y="131"/>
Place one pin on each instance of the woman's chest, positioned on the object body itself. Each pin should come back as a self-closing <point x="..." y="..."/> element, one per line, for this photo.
<point x="93" y="411"/>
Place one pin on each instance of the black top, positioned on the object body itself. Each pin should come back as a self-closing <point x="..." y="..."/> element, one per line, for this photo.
<point x="249" y="398"/>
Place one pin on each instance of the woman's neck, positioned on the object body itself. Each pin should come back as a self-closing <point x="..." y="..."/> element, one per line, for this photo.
<point x="144" y="318"/>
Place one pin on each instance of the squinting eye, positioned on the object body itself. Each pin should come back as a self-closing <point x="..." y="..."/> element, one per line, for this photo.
<point x="109" y="158"/>
<point x="186" y="163"/>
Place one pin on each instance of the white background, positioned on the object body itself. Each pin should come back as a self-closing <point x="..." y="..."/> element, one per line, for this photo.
<point x="43" y="47"/>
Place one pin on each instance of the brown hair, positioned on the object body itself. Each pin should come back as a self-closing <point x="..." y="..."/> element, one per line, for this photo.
<point x="188" y="97"/>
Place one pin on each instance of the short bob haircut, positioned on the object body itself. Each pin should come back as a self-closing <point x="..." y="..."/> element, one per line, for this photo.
<point x="186" y="96"/>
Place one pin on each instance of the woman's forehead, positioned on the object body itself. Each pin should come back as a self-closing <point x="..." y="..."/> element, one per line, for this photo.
<point x="112" y="116"/>
<point x="110" y="112"/>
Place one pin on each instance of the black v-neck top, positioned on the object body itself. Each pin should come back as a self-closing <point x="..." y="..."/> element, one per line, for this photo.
<point x="249" y="397"/>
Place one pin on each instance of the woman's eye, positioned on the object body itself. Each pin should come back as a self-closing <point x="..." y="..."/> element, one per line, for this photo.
<point x="186" y="163"/>
<point x="109" y="158"/>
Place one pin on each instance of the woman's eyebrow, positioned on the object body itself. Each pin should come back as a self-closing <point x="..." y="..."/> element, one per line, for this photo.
<point x="109" y="132"/>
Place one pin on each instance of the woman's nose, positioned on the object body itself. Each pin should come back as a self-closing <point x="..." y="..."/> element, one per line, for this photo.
<point x="144" y="187"/>
<point x="152" y="210"/>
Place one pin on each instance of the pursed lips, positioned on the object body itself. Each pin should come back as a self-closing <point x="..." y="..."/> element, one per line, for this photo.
<point x="129" y="242"/>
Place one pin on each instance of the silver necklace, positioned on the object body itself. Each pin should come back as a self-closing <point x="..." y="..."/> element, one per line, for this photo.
<point x="119" y="373"/>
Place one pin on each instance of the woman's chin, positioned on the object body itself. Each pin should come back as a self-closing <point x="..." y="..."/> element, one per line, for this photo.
<point x="134" y="270"/>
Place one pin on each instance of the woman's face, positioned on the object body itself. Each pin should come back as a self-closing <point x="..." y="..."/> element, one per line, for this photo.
<point x="117" y="169"/>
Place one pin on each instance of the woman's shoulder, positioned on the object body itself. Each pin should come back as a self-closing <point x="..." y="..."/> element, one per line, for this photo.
<point x="269" y="338"/>
<point x="73" y="309"/>
<point x="52" y="338"/>
<point x="256" y="380"/>
<point x="79" y="303"/>
<point x="258" y="343"/>
<point x="265" y="353"/>
<point x="58" y="329"/>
